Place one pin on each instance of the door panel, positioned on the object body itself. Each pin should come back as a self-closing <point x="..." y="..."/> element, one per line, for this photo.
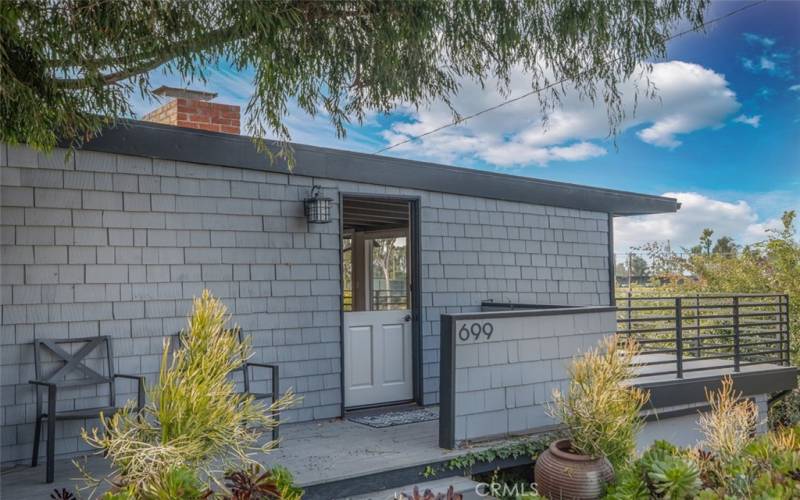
<point x="361" y="349"/>
<point x="377" y="357"/>
<point x="394" y="355"/>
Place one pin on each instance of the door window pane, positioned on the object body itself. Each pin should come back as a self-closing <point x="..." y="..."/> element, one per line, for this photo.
<point x="347" y="273"/>
<point x="388" y="274"/>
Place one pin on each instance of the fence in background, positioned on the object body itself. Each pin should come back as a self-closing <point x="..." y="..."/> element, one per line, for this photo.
<point x="703" y="332"/>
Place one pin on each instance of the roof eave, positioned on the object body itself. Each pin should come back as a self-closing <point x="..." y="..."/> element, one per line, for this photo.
<point x="196" y="146"/>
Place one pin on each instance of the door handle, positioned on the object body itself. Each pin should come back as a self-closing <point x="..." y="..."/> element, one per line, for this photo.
<point x="407" y="317"/>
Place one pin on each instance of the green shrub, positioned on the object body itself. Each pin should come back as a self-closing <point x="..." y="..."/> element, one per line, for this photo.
<point x="194" y="416"/>
<point x="174" y="483"/>
<point x="601" y="412"/>
<point x="766" y="467"/>
<point x="727" y="426"/>
<point x="628" y="485"/>
<point x="786" y="411"/>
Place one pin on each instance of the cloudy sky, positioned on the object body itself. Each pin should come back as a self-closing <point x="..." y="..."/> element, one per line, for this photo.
<point x="723" y="137"/>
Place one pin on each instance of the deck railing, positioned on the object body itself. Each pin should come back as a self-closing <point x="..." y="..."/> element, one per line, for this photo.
<point x="703" y="332"/>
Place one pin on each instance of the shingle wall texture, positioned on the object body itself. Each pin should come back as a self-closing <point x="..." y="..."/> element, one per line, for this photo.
<point x="103" y="244"/>
<point x="504" y="382"/>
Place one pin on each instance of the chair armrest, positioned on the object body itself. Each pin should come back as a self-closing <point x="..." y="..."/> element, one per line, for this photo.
<point x="261" y="365"/>
<point x="51" y="405"/>
<point x="140" y="380"/>
<point x="42" y="383"/>
<point x="276" y="383"/>
<point x="276" y="378"/>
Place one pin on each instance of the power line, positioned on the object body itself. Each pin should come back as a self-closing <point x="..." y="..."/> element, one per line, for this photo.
<point x="554" y="84"/>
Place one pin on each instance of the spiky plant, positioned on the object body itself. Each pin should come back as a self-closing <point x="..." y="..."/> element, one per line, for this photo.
<point x="600" y="410"/>
<point x="195" y="418"/>
<point x="730" y="422"/>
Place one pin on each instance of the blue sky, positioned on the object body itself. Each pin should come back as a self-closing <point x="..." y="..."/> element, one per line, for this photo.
<point x="724" y="136"/>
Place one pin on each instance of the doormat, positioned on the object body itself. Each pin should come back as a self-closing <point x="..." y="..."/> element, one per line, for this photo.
<point x="400" y="417"/>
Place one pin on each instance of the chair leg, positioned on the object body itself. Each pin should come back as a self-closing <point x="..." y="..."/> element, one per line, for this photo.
<point x="37" y="437"/>
<point x="276" y="385"/>
<point x="51" y="437"/>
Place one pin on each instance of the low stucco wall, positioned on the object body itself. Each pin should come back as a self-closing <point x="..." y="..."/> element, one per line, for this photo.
<point x="499" y="383"/>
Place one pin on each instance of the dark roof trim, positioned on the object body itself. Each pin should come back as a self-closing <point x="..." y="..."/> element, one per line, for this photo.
<point x="196" y="146"/>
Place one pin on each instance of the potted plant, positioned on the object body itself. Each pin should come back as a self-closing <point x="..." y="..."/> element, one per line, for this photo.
<point x="600" y="413"/>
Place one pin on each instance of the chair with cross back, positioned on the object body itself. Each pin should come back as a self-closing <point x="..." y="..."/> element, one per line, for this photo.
<point x="71" y="359"/>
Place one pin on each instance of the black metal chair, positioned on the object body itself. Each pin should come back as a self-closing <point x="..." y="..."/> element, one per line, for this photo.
<point x="273" y="396"/>
<point x="58" y="379"/>
<point x="276" y="383"/>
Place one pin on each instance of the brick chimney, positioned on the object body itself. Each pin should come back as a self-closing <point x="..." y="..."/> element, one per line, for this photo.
<point x="192" y="109"/>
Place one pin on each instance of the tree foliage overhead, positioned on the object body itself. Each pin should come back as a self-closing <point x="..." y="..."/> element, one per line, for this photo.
<point x="67" y="68"/>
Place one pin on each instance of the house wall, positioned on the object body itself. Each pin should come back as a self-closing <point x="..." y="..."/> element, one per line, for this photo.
<point x="118" y="245"/>
<point x="500" y="384"/>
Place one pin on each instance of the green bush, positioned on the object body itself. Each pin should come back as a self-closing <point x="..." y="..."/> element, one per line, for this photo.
<point x="194" y="416"/>
<point x="733" y="464"/>
<point x="786" y="411"/>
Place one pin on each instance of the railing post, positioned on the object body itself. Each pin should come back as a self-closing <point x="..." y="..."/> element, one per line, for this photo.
<point x="736" y="347"/>
<point x="630" y="315"/>
<point x="678" y="337"/>
<point x="697" y="324"/>
<point x="786" y="332"/>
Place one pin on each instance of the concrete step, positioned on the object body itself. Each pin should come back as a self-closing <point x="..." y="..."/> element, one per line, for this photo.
<point x="463" y="485"/>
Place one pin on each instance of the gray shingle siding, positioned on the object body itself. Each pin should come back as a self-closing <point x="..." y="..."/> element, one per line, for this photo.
<point x="119" y="245"/>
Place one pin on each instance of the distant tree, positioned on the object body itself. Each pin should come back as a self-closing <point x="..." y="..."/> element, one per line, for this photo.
<point x="634" y="265"/>
<point x="725" y="246"/>
<point x="664" y="263"/>
<point x="69" y="67"/>
<point x="704" y="247"/>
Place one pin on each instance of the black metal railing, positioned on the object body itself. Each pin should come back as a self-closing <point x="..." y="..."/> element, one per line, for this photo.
<point x="382" y="300"/>
<point x="389" y="299"/>
<point x="705" y="332"/>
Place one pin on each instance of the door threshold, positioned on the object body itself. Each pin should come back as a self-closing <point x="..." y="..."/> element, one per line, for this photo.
<point x="378" y="408"/>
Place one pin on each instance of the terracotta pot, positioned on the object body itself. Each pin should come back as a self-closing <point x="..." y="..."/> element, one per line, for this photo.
<point x="563" y="475"/>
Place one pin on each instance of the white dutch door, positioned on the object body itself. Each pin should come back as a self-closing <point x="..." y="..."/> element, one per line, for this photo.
<point x="378" y="367"/>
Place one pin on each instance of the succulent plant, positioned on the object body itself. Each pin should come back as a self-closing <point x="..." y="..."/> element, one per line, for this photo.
<point x="429" y="495"/>
<point x="675" y="478"/>
<point x="62" y="494"/>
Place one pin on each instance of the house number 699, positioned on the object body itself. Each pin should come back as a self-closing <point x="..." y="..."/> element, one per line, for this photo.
<point x="475" y="330"/>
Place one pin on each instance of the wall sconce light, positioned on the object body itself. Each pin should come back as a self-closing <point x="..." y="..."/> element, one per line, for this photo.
<point x="318" y="208"/>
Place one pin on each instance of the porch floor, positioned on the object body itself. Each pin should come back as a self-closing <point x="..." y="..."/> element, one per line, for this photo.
<point x="317" y="454"/>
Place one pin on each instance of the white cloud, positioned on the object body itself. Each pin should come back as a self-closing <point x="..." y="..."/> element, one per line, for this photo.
<point x="754" y="121"/>
<point x="758" y="39"/>
<point x="767" y="64"/>
<point x="795" y="88"/>
<point x="690" y="97"/>
<point x="738" y="220"/>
